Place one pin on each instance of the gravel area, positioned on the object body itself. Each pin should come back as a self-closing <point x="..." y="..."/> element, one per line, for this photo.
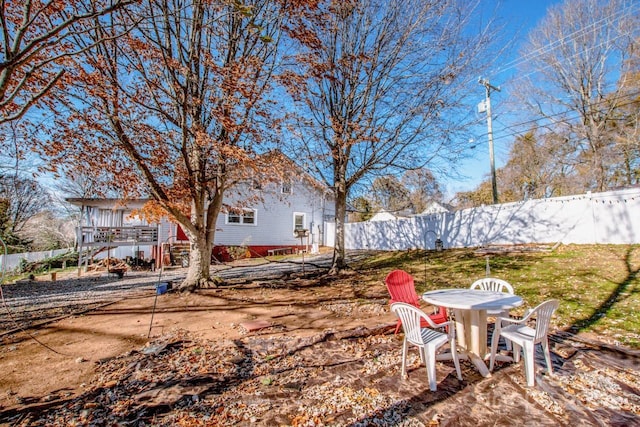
<point x="29" y="302"/>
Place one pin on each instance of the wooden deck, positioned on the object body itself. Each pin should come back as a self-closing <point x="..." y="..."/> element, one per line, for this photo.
<point x="119" y="236"/>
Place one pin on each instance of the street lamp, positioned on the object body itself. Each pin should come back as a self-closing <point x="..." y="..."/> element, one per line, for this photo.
<point x="487" y="107"/>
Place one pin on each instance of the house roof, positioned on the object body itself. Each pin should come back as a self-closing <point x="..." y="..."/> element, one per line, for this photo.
<point x="110" y="202"/>
<point x="296" y="169"/>
<point x="435" y="207"/>
<point x="274" y="158"/>
<point x="384" y="216"/>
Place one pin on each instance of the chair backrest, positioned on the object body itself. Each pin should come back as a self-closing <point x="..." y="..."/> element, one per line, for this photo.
<point x="492" y="284"/>
<point x="401" y="287"/>
<point x="411" y="317"/>
<point x="543" y="313"/>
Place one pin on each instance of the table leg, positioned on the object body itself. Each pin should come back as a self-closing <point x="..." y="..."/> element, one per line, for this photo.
<point x="460" y="317"/>
<point x="478" y="340"/>
<point x="479" y="332"/>
<point x="471" y="334"/>
<point x="479" y="364"/>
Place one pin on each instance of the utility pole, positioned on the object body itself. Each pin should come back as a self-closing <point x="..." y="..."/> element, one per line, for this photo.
<point x="488" y="88"/>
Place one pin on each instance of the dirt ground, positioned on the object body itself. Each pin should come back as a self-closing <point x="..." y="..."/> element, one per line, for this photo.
<point x="65" y="352"/>
<point x="326" y="356"/>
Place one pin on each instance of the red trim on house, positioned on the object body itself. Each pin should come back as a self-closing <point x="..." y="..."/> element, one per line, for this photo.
<point x="180" y="234"/>
<point x="221" y="253"/>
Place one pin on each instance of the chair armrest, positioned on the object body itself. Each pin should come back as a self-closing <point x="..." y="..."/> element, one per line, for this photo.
<point x="416" y="303"/>
<point x="448" y="323"/>
<point x="433" y="325"/>
<point x="524" y="319"/>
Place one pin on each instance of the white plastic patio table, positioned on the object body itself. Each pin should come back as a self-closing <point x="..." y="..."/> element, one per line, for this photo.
<point x="470" y="314"/>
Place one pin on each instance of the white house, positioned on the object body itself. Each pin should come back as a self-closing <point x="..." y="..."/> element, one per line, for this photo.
<point x="288" y="217"/>
<point x="291" y="215"/>
<point x="434" y="208"/>
<point x="384" y="216"/>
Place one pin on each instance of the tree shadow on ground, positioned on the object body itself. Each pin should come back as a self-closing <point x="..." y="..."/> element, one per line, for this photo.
<point x="623" y="290"/>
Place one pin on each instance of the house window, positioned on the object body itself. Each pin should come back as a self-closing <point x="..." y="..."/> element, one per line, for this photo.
<point x="286" y="188"/>
<point x="298" y="221"/>
<point x="246" y="217"/>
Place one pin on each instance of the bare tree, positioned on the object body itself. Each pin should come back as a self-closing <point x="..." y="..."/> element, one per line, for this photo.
<point x="388" y="193"/>
<point x="626" y="129"/>
<point x="572" y="62"/>
<point x="540" y="164"/>
<point x="47" y="231"/>
<point x="381" y="83"/>
<point x="423" y="188"/>
<point x="35" y="47"/>
<point x="20" y="200"/>
<point x="538" y="167"/>
<point x="362" y="209"/>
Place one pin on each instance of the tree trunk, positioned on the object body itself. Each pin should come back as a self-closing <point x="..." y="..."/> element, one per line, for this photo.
<point x="199" y="264"/>
<point x="339" y="259"/>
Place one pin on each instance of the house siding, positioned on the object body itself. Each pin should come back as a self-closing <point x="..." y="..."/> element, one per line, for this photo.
<point x="275" y="219"/>
<point x="273" y="227"/>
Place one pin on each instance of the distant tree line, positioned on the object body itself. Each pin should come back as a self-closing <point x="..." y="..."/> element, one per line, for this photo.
<point x="28" y="222"/>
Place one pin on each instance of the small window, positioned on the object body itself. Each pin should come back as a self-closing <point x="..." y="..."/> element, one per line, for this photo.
<point x="298" y="221"/>
<point x="286" y="188"/>
<point x="246" y="217"/>
<point x="249" y="217"/>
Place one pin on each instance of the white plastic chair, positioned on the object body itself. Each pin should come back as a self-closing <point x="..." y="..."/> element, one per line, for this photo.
<point x="496" y="285"/>
<point x="427" y="340"/>
<point x="492" y="284"/>
<point x="521" y="335"/>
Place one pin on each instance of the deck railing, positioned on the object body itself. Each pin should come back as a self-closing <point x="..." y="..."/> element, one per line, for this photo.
<point x="119" y="236"/>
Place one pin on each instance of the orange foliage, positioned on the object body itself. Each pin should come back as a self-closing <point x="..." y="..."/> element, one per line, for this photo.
<point x="37" y="47"/>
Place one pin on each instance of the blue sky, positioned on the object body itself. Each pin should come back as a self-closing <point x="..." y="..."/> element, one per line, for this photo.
<point x="519" y="16"/>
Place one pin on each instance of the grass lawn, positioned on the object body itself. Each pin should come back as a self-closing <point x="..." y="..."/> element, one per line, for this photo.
<point x="597" y="285"/>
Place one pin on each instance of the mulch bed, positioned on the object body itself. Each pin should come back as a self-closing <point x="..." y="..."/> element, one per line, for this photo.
<point x="340" y="378"/>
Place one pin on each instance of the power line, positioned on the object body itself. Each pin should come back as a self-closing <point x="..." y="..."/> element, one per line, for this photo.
<point x="561" y="113"/>
<point x="537" y="53"/>
<point x="549" y="65"/>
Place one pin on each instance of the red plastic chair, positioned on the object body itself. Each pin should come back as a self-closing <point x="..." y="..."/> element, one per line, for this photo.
<point x="401" y="287"/>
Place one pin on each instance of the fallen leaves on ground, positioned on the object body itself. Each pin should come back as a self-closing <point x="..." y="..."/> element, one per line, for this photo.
<point x="337" y="378"/>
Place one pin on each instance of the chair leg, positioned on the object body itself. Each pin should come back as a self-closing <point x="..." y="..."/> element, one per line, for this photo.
<point x="508" y="345"/>
<point x="430" y="362"/>
<point x="397" y="327"/>
<point x="516" y="352"/>
<point x="454" y="356"/>
<point x="507" y="342"/>
<point x="547" y="355"/>
<point x="422" y="353"/>
<point x="405" y="346"/>
<point x="494" y="349"/>
<point x="529" y="362"/>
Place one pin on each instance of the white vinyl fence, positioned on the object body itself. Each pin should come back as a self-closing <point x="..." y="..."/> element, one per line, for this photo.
<point x="12" y="261"/>
<point x="610" y="217"/>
